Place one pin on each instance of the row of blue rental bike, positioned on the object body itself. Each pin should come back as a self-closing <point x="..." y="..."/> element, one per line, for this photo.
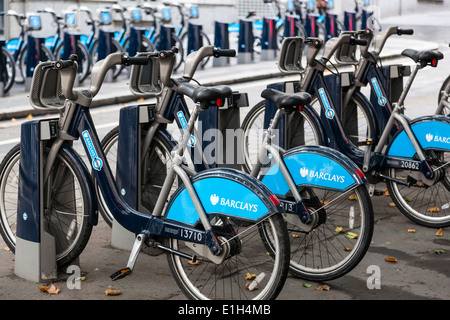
<point x="87" y="45"/>
<point x="301" y="204"/>
<point x="156" y="22"/>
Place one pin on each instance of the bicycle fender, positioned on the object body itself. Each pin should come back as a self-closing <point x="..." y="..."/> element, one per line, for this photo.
<point x="223" y="191"/>
<point x="316" y="166"/>
<point x="87" y="181"/>
<point x="432" y="132"/>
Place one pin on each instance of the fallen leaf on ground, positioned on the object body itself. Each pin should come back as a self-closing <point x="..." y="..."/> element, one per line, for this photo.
<point x="51" y="290"/>
<point x="249" y="276"/>
<point x="6" y="249"/>
<point x="295" y="235"/>
<point x="307" y="285"/>
<point x="391" y="204"/>
<point x="439" y="251"/>
<point x="386" y="192"/>
<point x="407" y="199"/>
<point x="112" y="292"/>
<point x="323" y="287"/>
<point x="339" y="230"/>
<point x="194" y="263"/>
<point x="433" y="209"/>
<point x="411" y="230"/>
<point x="390" y="259"/>
<point x="353" y="197"/>
<point x="351" y="235"/>
<point x="439" y="232"/>
<point x="347" y="249"/>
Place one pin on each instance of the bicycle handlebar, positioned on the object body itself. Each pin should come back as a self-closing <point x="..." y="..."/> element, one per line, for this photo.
<point x="405" y="31"/>
<point x="224" y="53"/>
<point x="358" y="42"/>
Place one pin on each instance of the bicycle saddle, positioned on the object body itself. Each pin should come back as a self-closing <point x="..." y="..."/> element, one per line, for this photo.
<point x="424" y="57"/>
<point x="206" y="96"/>
<point x="286" y="101"/>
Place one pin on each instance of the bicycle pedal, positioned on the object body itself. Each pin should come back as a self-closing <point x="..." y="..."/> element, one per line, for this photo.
<point x="122" y="273"/>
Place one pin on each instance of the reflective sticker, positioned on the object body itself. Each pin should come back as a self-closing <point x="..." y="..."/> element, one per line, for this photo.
<point x="376" y="87"/>
<point x="183" y="122"/>
<point x="329" y="113"/>
<point x="97" y="163"/>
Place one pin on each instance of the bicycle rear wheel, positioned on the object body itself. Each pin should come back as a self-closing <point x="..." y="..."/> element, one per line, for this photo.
<point x="10" y="70"/>
<point x="424" y="201"/>
<point x="66" y="217"/>
<point x="248" y="262"/>
<point x="337" y="238"/>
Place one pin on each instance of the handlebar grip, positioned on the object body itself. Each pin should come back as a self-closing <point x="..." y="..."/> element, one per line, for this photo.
<point x="405" y="31"/>
<point x="359" y="42"/>
<point x="62" y="64"/>
<point x="224" y="53"/>
<point x="139" y="60"/>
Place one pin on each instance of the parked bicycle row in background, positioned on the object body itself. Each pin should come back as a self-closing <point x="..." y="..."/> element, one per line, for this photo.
<point x="92" y="35"/>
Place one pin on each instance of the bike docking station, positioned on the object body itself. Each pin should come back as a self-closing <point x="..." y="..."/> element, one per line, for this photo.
<point x="269" y="39"/>
<point x="36" y="249"/>
<point x="135" y="123"/>
<point x="331" y="25"/>
<point x="245" y="41"/>
<point x="195" y="40"/>
<point x="105" y="47"/>
<point x="350" y="20"/>
<point x="70" y="47"/>
<point x="35" y="255"/>
<point x="165" y="37"/>
<point x="221" y="41"/>
<point x="3" y="73"/>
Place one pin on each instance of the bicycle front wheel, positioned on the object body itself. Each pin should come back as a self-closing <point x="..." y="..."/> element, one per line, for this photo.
<point x="84" y="59"/>
<point x="10" y="70"/>
<point x="156" y="162"/>
<point x="248" y="262"/>
<point x="65" y="212"/>
<point x="304" y="129"/>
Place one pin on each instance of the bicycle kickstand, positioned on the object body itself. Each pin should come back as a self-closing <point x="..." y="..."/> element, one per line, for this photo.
<point x="140" y="239"/>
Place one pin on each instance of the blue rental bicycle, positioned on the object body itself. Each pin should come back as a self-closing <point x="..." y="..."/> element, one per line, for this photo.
<point x="414" y="162"/>
<point x="324" y="198"/>
<point x="56" y="43"/>
<point x="225" y="221"/>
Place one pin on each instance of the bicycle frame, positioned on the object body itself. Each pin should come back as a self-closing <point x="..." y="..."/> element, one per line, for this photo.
<point x="314" y="83"/>
<point x="77" y="123"/>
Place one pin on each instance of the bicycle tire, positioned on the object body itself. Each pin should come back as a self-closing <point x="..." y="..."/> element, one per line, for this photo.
<point x="116" y="47"/>
<point x="146" y="44"/>
<point x="84" y="59"/>
<point x="253" y="123"/>
<point x="247" y="258"/>
<point x="280" y="33"/>
<point x="48" y="56"/>
<point x="175" y="42"/>
<point x="55" y="224"/>
<point x="205" y="42"/>
<point x="446" y="88"/>
<point x="334" y="247"/>
<point x="153" y="174"/>
<point x="424" y="204"/>
<point x="10" y="70"/>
